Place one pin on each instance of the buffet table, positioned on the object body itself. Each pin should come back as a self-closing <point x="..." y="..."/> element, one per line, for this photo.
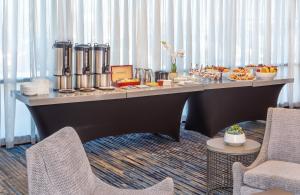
<point x="212" y="107"/>
<point x="99" y="113"/>
<point x="224" y="103"/>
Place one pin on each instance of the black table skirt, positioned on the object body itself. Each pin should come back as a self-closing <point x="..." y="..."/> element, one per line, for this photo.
<point x="209" y="111"/>
<point x="94" y="119"/>
<point x="212" y="110"/>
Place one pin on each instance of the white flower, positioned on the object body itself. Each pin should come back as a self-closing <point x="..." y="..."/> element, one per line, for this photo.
<point x="165" y="45"/>
<point x="169" y="48"/>
<point x="180" y="53"/>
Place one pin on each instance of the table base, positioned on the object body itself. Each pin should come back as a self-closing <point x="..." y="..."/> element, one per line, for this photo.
<point x="213" y="110"/>
<point x="94" y="119"/>
<point x="219" y="169"/>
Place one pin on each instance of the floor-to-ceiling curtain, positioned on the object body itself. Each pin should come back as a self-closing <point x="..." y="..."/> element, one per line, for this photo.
<point x="221" y="32"/>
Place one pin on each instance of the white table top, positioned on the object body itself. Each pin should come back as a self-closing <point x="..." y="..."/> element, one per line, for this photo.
<point x="59" y="98"/>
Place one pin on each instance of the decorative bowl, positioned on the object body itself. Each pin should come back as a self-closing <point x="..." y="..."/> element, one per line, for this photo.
<point x="173" y="75"/>
<point x="234" y="139"/>
<point x="265" y="76"/>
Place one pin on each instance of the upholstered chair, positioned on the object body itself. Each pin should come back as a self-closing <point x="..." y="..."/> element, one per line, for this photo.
<point x="58" y="165"/>
<point x="278" y="163"/>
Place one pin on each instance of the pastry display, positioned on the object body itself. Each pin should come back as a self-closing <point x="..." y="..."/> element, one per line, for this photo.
<point x="241" y="77"/>
<point x="217" y="68"/>
<point x="241" y="71"/>
<point x="251" y="66"/>
<point x="241" y="74"/>
<point x="194" y="72"/>
<point x="212" y="68"/>
<point x="212" y="75"/>
<point x="210" y="72"/>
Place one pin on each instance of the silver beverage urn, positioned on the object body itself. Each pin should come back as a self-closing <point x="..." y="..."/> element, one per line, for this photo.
<point x="147" y="75"/>
<point x="63" y="68"/>
<point x="84" y="71"/>
<point x="139" y="72"/>
<point x="102" y="65"/>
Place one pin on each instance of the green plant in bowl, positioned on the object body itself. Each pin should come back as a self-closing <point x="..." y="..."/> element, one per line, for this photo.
<point x="235" y="130"/>
<point x="235" y="136"/>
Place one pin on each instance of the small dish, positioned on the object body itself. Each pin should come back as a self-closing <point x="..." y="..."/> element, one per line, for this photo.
<point x="66" y="90"/>
<point x="87" y="89"/>
<point x="107" y="88"/>
<point x="142" y="86"/>
<point x="265" y="76"/>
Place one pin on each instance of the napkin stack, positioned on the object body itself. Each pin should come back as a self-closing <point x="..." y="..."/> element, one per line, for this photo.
<point x="36" y="87"/>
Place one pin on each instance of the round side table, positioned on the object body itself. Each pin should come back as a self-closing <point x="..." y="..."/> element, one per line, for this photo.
<point x="220" y="158"/>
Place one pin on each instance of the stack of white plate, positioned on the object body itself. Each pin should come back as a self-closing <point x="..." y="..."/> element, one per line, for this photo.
<point x="180" y="79"/>
<point x="43" y="86"/>
<point x="29" y="89"/>
<point x="36" y="87"/>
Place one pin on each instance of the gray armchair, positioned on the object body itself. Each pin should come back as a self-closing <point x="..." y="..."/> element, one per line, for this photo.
<point x="278" y="163"/>
<point x="58" y="165"/>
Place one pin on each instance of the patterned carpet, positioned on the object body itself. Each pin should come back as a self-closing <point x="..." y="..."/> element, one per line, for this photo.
<point x="133" y="161"/>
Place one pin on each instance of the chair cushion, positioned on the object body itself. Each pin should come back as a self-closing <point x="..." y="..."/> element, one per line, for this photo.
<point x="274" y="174"/>
<point x="246" y="190"/>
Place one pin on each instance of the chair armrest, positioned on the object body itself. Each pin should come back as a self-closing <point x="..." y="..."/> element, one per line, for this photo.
<point x="238" y="171"/>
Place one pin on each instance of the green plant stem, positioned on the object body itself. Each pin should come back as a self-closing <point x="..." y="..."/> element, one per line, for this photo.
<point x="174" y="68"/>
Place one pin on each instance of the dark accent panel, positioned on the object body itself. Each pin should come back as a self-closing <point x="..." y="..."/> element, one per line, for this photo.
<point x="152" y="114"/>
<point x="212" y="110"/>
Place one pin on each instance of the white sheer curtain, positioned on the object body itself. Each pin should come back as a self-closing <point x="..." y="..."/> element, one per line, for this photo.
<point x="223" y="32"/>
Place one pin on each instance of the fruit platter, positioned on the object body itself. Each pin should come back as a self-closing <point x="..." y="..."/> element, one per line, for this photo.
<point x="266" y="72"/>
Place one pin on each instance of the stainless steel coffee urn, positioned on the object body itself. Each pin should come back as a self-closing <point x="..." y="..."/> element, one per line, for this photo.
<point x="84" y="71"/>
<point x="147" y="75"/>
<point x="63" y="68"/>
<point x="102" y="65"/>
